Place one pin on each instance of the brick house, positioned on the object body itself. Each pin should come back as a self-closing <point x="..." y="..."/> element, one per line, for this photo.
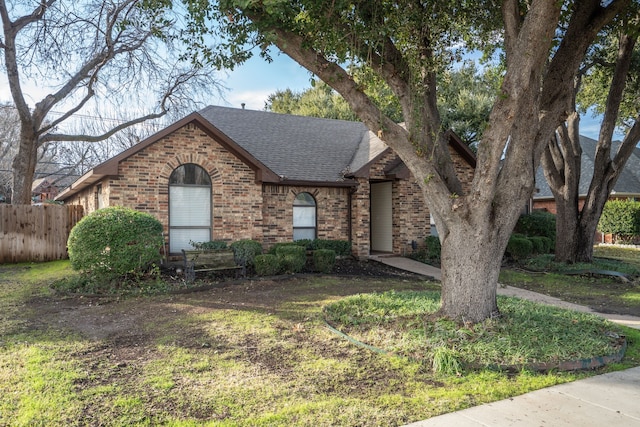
<point x="627" y="186"/>
<point x="229" y="174"/>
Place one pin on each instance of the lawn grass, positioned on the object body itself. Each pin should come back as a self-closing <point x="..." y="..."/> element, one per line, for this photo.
<point x="257" y="353"/>
<point x="607" y="294"/>
<point x="527" y="334"/>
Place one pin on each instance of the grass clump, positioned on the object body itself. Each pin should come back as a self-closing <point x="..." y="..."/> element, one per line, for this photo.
<point x="528" y="333"/>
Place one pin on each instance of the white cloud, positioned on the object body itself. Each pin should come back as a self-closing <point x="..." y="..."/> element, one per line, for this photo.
<point x="253" y="99"/>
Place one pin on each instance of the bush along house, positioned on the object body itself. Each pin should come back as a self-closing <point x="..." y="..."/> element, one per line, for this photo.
<point x="230" y="174"/>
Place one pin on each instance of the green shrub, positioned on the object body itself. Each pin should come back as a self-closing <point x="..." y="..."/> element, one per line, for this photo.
<point x="340" y="247"/>
<point x="433" y="247"/>
<point x="267" y="265"/>
<point x="539" y="246"/>
<point x="620" y="218"/>
<point x="537" y="223"/>
<point x="548" y="244"/>
<point x="324" y="260"/>
<point x="115" y="241"/>
<point x="298" y="243"/>
<point x="292" y="258"/>
<point x="519" y="248"/>
<point x="305" y="243"/>
<point x="246" y="250"/>
<point x="211" y="246"/>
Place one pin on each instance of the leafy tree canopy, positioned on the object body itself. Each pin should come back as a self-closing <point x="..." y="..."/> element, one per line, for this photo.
<point x="408" y="44"/>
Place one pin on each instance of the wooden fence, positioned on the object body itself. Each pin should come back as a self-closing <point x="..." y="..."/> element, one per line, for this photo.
<point x="36" y="233"/>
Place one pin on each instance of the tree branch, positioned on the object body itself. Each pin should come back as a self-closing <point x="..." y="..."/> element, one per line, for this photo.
<point x="511" y="18"/>
<point x="96" y="138"/>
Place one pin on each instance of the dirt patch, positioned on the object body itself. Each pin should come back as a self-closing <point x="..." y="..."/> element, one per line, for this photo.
<point x="128" y="324"/>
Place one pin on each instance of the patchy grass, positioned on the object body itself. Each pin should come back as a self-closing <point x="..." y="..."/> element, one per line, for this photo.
<point x="607" y="294"/>
<point x="528" y="333"/>
<point x="256" y="353"/>
<point x="628" y="255"/>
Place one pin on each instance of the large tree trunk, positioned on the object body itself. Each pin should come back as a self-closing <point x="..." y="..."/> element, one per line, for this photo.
<point x="24" y="166"/>
<point x="575" y="237"/>
<point x="471" y="262"/>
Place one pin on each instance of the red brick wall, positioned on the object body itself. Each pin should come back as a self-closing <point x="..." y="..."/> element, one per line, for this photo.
<point x="331" y="212"/>
<point x="410" y="212"/>
<point x="244" y="209"/>
<point x="143" y="184"/>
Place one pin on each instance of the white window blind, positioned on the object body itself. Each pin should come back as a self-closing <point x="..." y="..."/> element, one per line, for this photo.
<point x="190" y="206"/>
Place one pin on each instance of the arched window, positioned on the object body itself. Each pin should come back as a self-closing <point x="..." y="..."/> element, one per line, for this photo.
<point x="304" y="217"/>
<point x="189" y="207"/>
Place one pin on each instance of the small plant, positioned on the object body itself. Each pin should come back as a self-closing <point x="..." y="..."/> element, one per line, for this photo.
<point x="115" y="241"/>
<point x="519" y="248"/>
<point x="267" y="265"/>
<point x="537" y="223"/>
<point x="446" y="361"/>
<point x="433" y="247"/>
<point x="324" y="260"/>
<point x="292" y="258"/>
<point x="340" y="247"/>
<point x="209" y="246"/>
<point x="245" y="251"/>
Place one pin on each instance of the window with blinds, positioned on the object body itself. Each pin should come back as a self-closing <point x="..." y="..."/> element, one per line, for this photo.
<point x="189" y="207"/>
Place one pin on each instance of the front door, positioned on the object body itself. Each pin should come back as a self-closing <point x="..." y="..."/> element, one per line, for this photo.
<point x="381" y="217"/>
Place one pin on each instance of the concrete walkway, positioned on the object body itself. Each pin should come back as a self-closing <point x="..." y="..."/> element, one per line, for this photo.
<point x="611" y="399"/>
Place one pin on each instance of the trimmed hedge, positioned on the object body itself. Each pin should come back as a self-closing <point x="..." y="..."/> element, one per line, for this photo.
<point x="246" y="250"/>
<point x="324" y="260"/>
<point x="620" y="218"/>
<point x="340" y="247"/>
<point x="212" y="245"/>
<point x="298" y="243"/>
<point x="537" y="223"/>
<point x="267" y="265"/>
<point x="519" y="247"/>
<point x="292" y="258"/>
<point x="433" y="247"/>
<point x="115" y="241"/>
<point x="539" y="246"/>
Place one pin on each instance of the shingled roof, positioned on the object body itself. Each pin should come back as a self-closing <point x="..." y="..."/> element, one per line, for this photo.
<point x="294" y="147"/>
<point x="281" y="148"/>
<point x="628" y="183"/>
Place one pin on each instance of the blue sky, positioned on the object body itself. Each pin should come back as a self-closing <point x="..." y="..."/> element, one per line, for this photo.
<point x="255" y="80"/>
<point x="252" y="82"/>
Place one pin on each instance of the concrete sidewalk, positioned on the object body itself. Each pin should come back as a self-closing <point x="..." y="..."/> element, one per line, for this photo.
<point x="605" y="400"/>
<point x="430" y="271"/>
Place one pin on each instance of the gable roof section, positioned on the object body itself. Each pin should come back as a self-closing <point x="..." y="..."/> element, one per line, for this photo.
<point x="280" y="148"/>
<point x="298" y="148"/>
<point x="373" y="149"/>
<point x="110" y="167"/>
<point x="628" y="182"/>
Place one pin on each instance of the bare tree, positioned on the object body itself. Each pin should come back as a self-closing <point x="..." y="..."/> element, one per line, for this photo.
<point x="9" y="134"/>
<point x="99" y="56"/>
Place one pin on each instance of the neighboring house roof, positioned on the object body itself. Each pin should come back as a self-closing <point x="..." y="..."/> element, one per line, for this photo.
<point x="628" y="182"/>
<point x="279" y="147"/>
<point x="54" y="180"/>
